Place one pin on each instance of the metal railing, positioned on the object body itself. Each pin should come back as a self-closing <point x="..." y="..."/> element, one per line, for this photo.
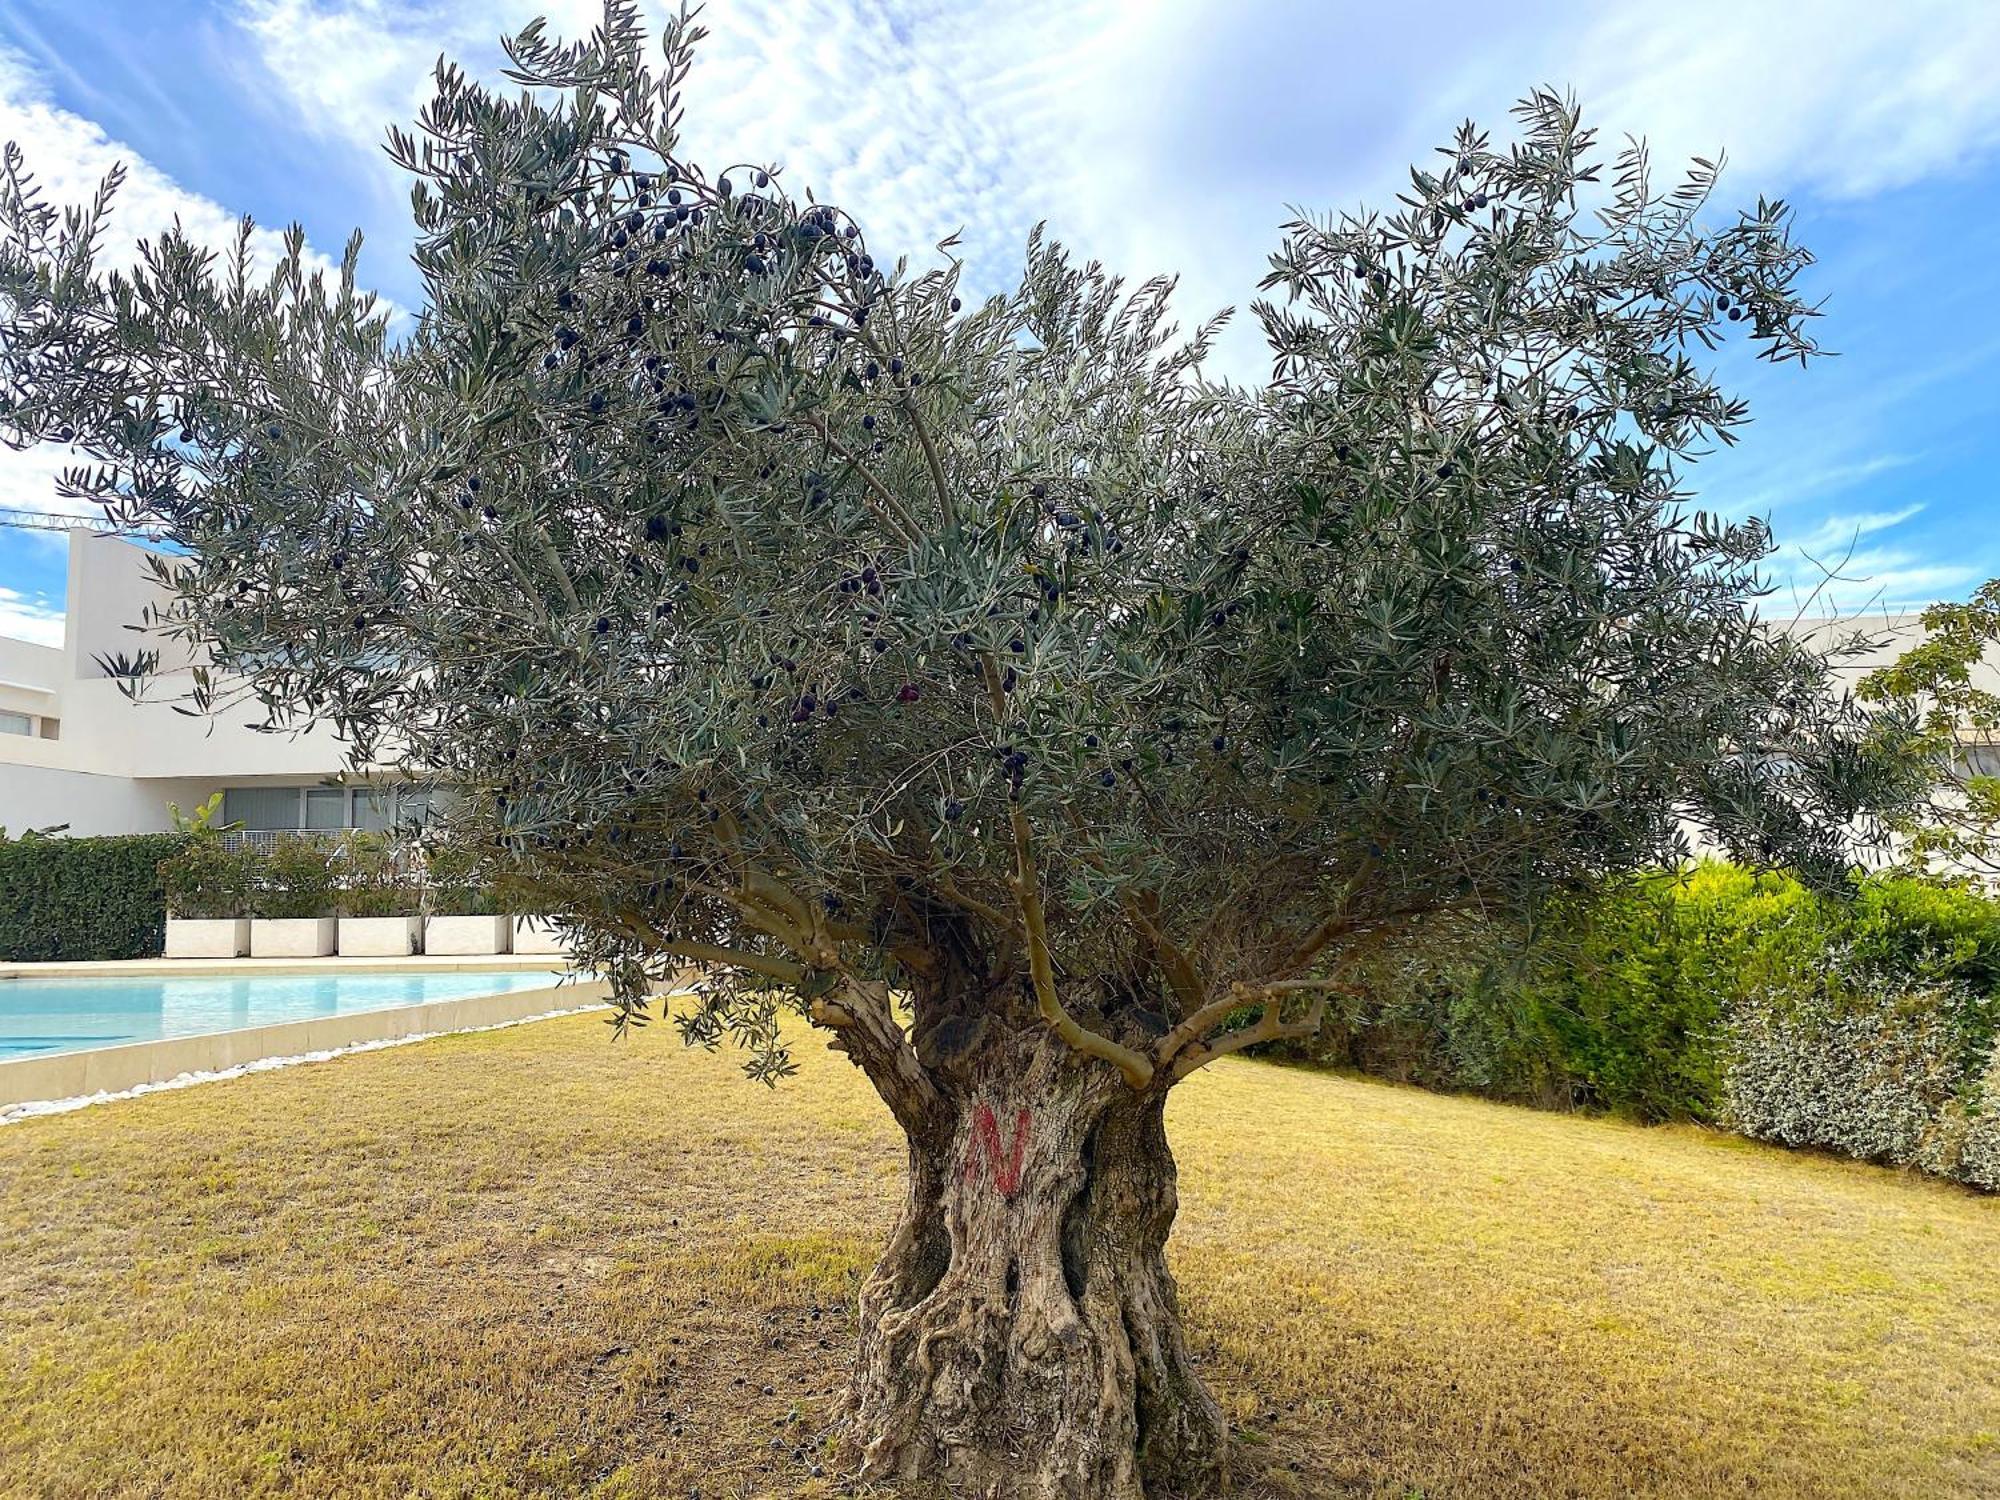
<point x="270" y="838"/>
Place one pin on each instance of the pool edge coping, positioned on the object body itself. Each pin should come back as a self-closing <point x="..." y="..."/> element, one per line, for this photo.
<point x="153" y="968"/>
<point x="109" y="1071"/>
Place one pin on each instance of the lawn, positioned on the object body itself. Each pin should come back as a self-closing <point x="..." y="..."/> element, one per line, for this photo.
<point x="535" y="1262"/>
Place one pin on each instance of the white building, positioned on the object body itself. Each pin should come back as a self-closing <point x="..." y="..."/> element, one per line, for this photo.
<point x="75" y="750"/>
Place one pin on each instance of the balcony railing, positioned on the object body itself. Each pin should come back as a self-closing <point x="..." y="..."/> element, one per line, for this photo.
<point x="268" y="838"/>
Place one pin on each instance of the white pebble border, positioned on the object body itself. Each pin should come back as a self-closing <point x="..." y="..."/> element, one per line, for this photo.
<point x="11" y="1113"/>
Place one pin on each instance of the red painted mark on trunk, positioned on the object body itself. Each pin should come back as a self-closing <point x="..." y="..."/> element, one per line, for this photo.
<point x="1006" y="1167"/>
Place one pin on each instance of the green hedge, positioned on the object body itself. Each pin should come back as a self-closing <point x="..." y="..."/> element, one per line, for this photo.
<point x="69" y="899"/>
<point x="1630" y="1003"/>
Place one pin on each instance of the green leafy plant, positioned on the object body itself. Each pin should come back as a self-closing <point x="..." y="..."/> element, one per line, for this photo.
<point x="1628" y="1000"/>
<point x="375" y="877"/>
<point x="456" y="882"/>
<point x="294" y="877"/>
<point x="70" y="900"/>
<point x="784" y="616"/>
<point x="1956" y="830"/>
<point x="207" y="880"/>
<point x="205" y="819"/>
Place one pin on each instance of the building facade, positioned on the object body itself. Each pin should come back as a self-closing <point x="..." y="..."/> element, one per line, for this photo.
<point x="75" y="751"/>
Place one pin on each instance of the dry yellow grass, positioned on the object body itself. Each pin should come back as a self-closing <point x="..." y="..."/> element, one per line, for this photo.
<point x="532" y="1262"/>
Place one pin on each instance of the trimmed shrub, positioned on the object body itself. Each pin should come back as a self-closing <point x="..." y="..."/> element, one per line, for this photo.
<point x="1634" y="991"/>
<point x="1867" y="1065"/>
<point x="206" y="879"/>
<point x="456" y="884"/>
<point x="69" y="900"/>
<point x="1966" y="1142"/>
<point x="294" y="877"/>
<point x="1642" y="1000"/>
<point x="374" y="879"/>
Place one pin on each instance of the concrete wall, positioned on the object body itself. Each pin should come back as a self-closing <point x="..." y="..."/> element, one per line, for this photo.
<point x="30" y="677"/>
<point x="110" y="588"/>
<point x="39" y="796"/>
<point x="116" y="764"/>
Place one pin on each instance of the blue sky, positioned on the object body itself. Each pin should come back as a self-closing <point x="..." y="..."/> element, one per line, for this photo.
<point x="1169" y="135"/>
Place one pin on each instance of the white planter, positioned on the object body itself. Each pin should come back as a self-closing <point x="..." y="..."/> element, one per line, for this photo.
<point x="208" y="937"/>
<point x="538" y="935"/>
<point x="379" y="937"/>
<point x="293" y="937"/>
<point x="466" y="936"/>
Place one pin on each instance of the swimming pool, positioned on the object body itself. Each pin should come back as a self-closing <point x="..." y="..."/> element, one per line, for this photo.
<point x="42" y="1017"/>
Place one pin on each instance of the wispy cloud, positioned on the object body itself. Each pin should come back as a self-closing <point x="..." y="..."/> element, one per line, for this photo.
<point x="1845" y="97"/>
<point x="1845" y="532"/>
<point x="28" y="481"/>
<point x="1890" y="580"/>
<point x="1160" y="136"/>
<point x="1839" y="569"/>
<point x="925" y="119"/>
<point x="1781" y="482"/>
<point x="1163" y="135"/>
<point x="25" y="617"/>
<point x="69" y="156"/>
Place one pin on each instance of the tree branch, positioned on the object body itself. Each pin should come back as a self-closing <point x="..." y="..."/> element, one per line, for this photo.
<point x="893" y="510"/>
<point x="1136" y="1067"/>
<point x="1269" y="1028"/>
<point x="711" y="953"/>
<point x="863" y="1020"/>
<point x="1180" y="972"/>
<point x="1190" y="1032"/>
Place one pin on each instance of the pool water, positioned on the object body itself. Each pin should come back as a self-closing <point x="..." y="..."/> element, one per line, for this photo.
<point x="39" y="1017"/>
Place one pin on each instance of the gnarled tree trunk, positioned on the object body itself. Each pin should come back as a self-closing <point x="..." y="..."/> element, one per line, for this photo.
<point x="1021" y="1338"/>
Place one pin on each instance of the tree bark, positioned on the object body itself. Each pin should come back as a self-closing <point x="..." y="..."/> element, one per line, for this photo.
<point x="1021" y="1337"/>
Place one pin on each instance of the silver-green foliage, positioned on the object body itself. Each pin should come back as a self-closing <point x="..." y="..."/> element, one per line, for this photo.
<point x="1869" y="1065"/>
<point x="782" y="613"/>
<point x="1861" y="1069"/>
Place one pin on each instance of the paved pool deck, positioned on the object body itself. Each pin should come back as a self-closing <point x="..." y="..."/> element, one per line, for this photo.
<point x="112" y="1070"/>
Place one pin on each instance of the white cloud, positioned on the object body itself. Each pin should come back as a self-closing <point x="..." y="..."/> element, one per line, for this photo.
<point x="1152" y="136"/>
<point x="1838" y="571"/>
<point x="1840" y="533"/>
<point x="1889" y="580"/>
<point x="30" y="618"/>
<point x="1160" y="135"/>
<point x="28" y="481"/>
<point x="1780" y="481"/>
<point x="69" y="156"/>
<point x="1847" y="97"/>
<point x="1156" y="134"/>
<point x="924" y="119"/>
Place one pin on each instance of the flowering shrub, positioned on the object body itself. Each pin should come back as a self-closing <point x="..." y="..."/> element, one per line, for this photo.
<point x="1865" y="1064"/>
<point x="1965" y="1143"/>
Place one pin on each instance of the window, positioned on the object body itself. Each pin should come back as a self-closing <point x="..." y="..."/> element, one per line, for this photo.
<point x="258" y="807"/>
<point x="51" y="728"/>
<point x="326" y="807"/>
<point x="16" y="724"/>
<point x="374" y="807"/>
<point x="1982" y="760"/>
<point x="330" y="808"/>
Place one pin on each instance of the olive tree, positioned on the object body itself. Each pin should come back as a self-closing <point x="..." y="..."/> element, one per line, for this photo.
<point x="975" y="679"/>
